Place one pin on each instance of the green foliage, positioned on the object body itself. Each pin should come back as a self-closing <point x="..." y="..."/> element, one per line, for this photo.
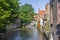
<point x="26" y="13"/>
<point x="8" y="12"/>
<point x="47" y="26"/>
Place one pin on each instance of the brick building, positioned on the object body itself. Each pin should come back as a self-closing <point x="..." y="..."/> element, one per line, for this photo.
<point x="41" y="14"/>
<point x="46" y="12"/>
<point x="36" y="18"/>
<point x="58" y="11"/>
<point x="55" y="18"/>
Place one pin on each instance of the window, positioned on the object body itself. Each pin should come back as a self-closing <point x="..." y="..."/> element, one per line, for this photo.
<point x="59" y="1"/>
<point x="51" y="25"/>
<point x="59" y="37"/>
<point x="51" y="0"/>
<point x="52" y="6"/>
<point x="59" y="7"/>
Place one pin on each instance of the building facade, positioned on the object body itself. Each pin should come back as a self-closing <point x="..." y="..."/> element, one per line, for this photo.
<point x="43" y="17"/>
<point x="36" y="18"/>
<point x="58" y="11"/>
<point x="55" y="18"/>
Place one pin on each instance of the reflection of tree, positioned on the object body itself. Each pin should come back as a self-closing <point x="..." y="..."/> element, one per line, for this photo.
<point x="25" y="35"/>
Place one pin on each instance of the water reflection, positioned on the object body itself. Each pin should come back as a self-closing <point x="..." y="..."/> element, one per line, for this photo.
<point x="18" y="35"/>
<point x="30" y="34"/>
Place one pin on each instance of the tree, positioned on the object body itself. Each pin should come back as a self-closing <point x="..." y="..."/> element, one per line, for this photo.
<point x="8" y="12"/>
<point x="26" y="13"/>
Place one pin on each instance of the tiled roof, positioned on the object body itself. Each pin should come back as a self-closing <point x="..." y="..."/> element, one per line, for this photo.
<point x="35" y="17"/>
<point x="41" y="12"/>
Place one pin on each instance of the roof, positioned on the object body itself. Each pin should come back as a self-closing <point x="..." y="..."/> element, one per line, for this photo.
<point x="35" y="17"/>
<point x="42" y="12"/>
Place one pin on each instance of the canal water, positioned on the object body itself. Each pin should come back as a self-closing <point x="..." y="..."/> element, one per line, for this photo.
<point x="28" y="34"/>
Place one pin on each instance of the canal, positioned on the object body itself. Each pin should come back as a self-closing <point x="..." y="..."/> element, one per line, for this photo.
<point x="28" y="34"/>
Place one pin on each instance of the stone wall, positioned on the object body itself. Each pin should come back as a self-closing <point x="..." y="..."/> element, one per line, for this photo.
<point x="14" y="25"/>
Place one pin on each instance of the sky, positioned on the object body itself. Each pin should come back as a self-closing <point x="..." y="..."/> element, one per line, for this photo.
<point x="36" y="4"/>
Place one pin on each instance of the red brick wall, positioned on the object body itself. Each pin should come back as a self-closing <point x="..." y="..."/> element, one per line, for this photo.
<point x="39" y="24"/>
<point x="58" y="14"/>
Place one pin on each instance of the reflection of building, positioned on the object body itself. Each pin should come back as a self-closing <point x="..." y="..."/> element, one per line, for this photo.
<point x="55" y="17"/>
